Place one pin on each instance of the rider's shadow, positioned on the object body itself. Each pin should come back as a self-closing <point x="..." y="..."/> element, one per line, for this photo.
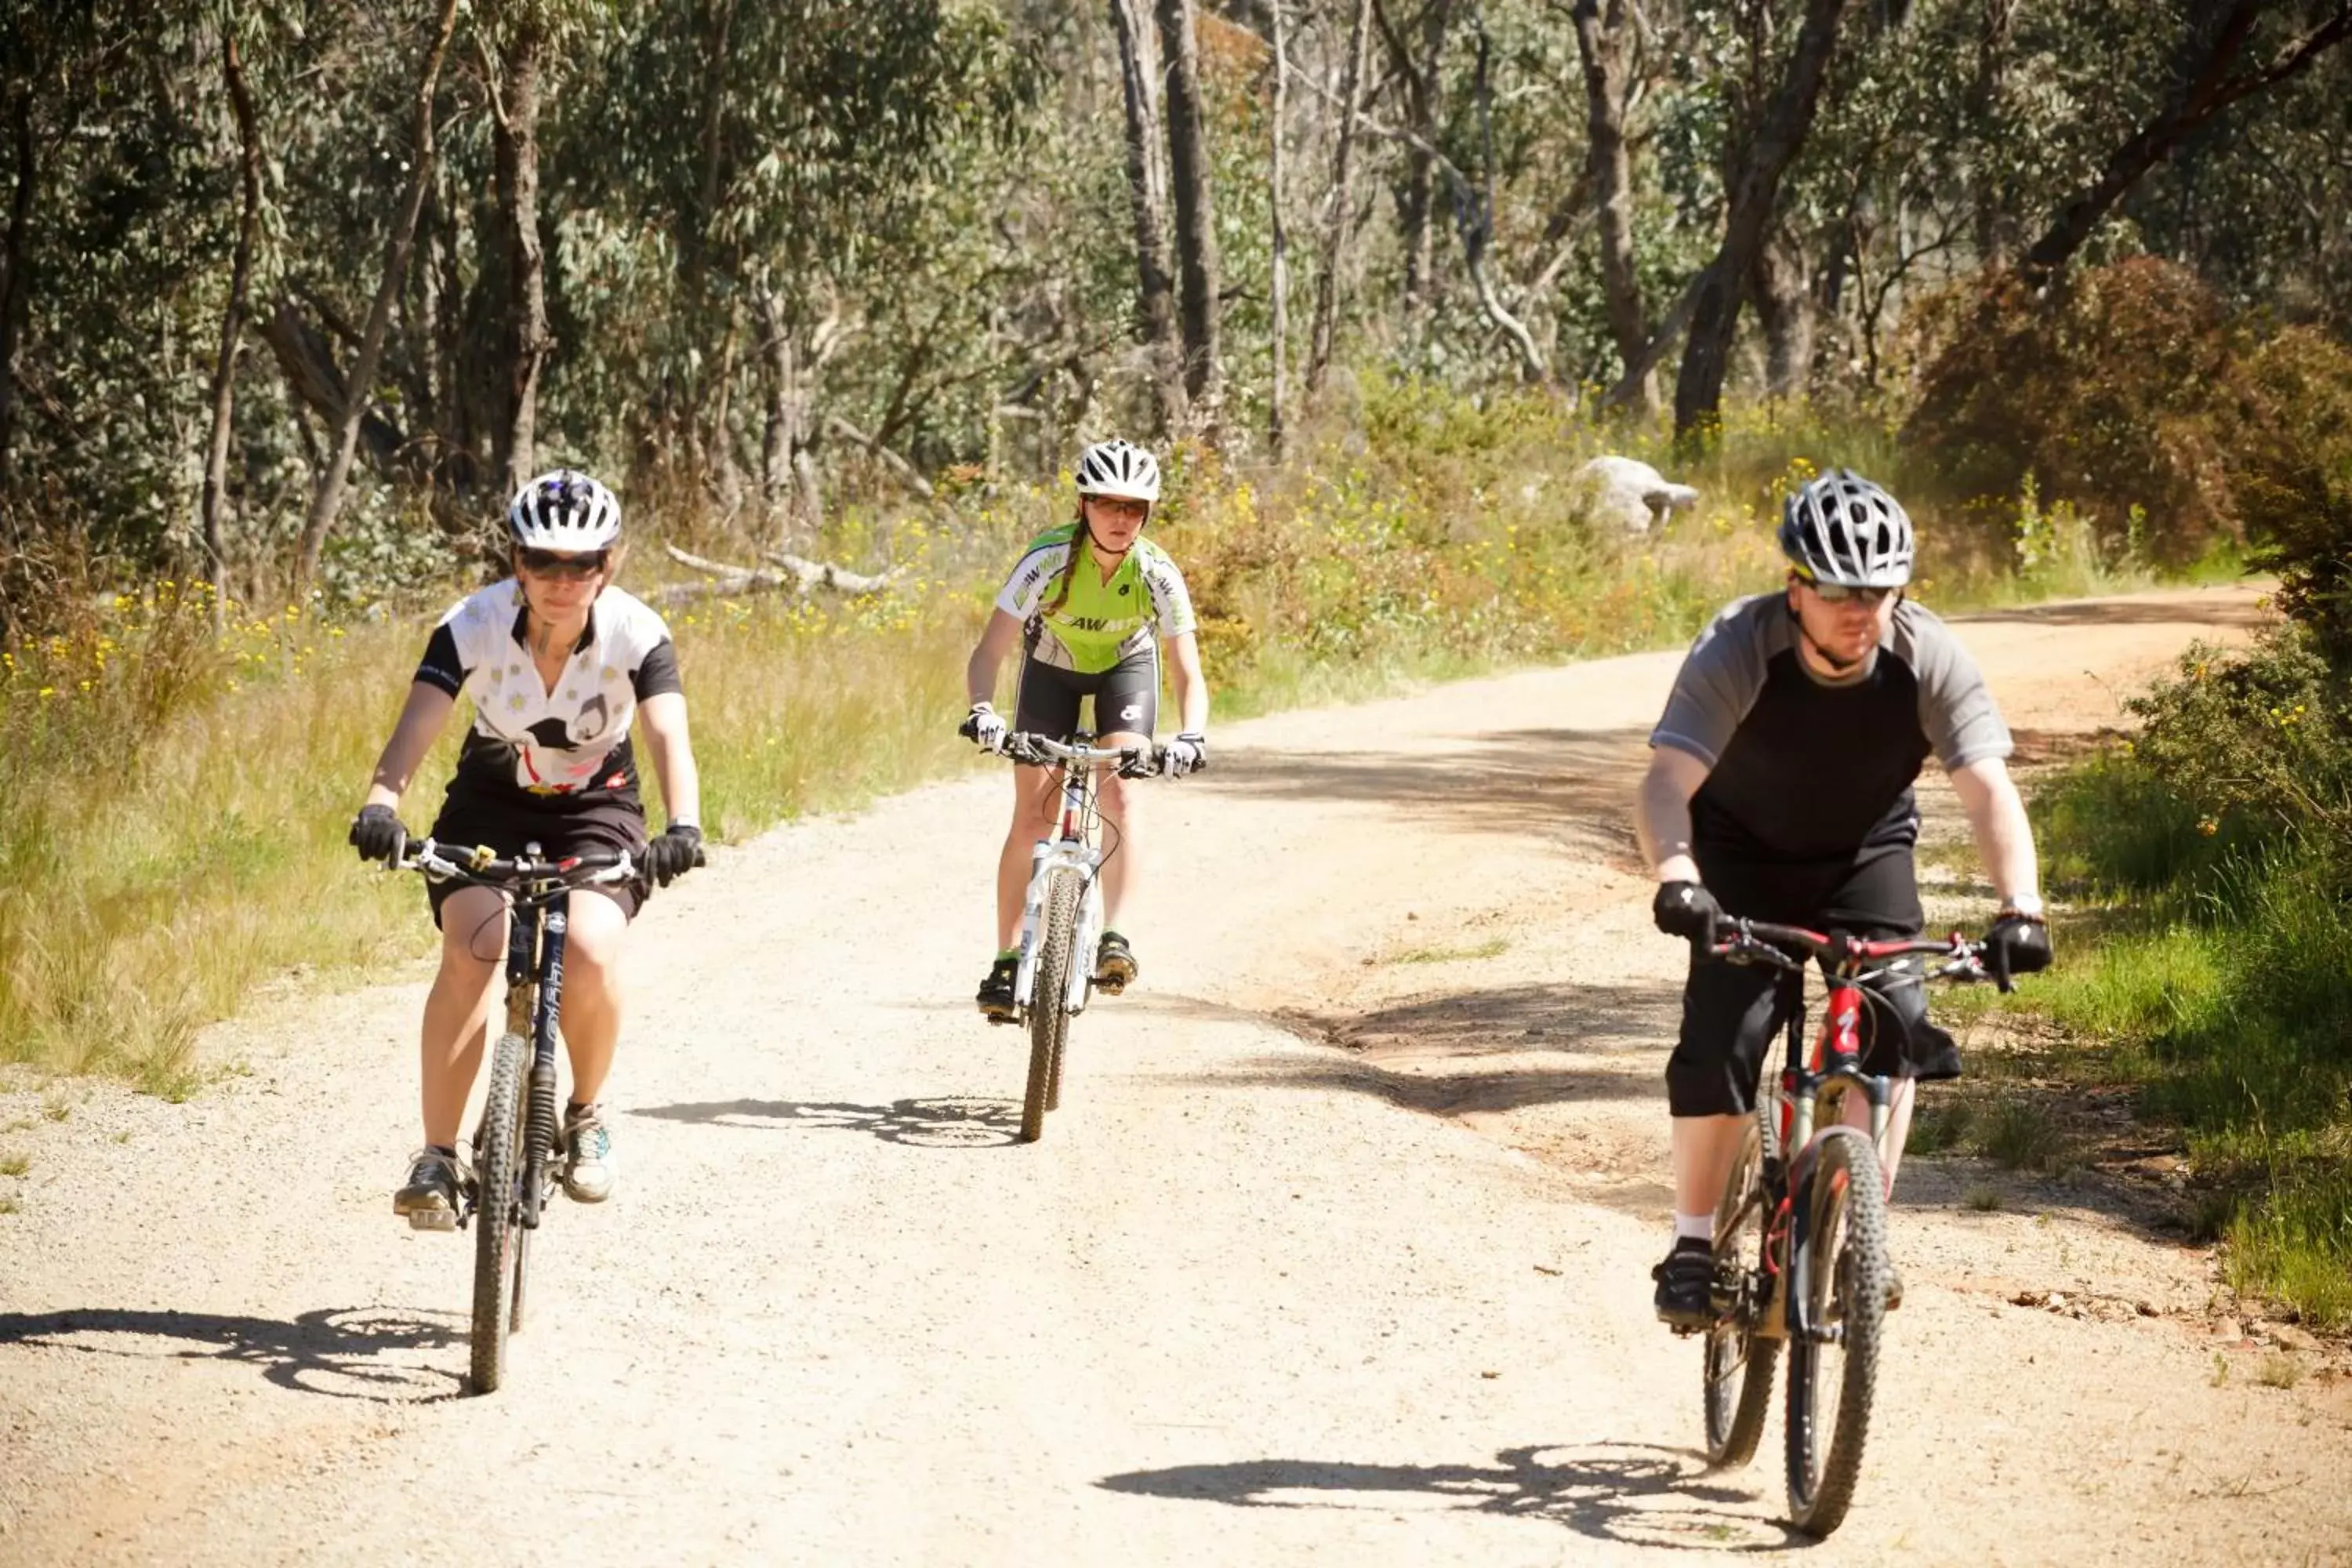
<point x="1630" y="1492"/>
<point x="340" y="1351"/>
<point x="940" y="1122"/>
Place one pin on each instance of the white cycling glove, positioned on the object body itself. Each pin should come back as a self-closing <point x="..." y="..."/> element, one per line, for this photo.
<point x="984" y="726"/>
<point x="1188" y="752"/>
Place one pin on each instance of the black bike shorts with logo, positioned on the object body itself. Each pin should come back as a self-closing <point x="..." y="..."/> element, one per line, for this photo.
<point x="1734" y="1015"/>
<point x="471" y="816"/>
<point x="1127" y="698"/>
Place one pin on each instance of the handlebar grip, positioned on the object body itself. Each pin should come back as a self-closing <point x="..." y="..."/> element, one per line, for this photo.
<point x="399" y="850"/>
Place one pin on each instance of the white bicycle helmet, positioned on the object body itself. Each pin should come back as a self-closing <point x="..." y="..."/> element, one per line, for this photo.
<point x="1841" y="529"/>
<point x="564" y="510"/>
<point x="1116" y="468"/>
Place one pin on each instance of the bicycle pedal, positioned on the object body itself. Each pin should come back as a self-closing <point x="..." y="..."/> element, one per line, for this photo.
<point x="433" y="1219"/>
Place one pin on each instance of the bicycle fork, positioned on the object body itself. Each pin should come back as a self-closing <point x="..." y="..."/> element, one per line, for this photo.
<point x="1047" y="856"/>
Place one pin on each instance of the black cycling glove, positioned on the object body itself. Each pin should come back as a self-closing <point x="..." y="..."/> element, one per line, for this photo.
<point x="2017" y="944"/>
<point x="1685" y="910"/>
<point x="678" y="851"/>
<point x="377" y="835"/>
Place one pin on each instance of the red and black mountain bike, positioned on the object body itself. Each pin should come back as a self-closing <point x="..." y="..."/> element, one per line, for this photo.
<point x="1801" y="1248"/>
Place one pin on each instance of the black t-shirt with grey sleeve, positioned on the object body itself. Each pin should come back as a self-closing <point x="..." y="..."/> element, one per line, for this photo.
<point x="1809" y="773"/>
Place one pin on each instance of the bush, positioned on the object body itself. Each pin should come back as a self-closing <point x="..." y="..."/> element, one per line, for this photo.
<point x="2113" y="392"/>
<point x="2291" y="463"/>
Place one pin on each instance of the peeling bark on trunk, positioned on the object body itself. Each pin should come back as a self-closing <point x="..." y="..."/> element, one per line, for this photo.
<point x="1784" y="308"/>
<point x="1196" y="224"/>
<point x="328" y="498"/>
<point x="1753" y="192"/>
<point x="527" y="343"/>
<point x="1600" y="33"/>
<point x="1340" y="222"/>
<point x="232" y="334"/>
<point x="1155" y="282"/>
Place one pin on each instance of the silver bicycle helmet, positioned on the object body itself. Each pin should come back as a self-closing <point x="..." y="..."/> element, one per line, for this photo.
<point x="1840" y="527"/>
<point x="1116" y="468"/>
<point x="564" y="510"/>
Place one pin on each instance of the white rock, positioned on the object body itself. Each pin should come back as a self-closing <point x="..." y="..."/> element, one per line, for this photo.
<point x="1629" y="493"/>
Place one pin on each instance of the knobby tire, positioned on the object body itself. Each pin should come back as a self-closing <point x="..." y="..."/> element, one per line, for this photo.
<point x="498" y="1220"/>
<point x="1065" y="884"/>
<point x="1738" y="1363"/>
<point x="1049" y="1016"/>
<point x="1847" y="1275"/>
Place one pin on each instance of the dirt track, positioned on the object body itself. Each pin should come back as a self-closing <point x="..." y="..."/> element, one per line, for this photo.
<point x="1337" y="1251"/>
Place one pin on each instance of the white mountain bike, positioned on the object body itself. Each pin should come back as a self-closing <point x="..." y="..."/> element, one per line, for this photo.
<point x="1062" y="914"/>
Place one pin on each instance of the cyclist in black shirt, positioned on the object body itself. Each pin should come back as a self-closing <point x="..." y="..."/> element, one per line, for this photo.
<point x="1780" y="789"/>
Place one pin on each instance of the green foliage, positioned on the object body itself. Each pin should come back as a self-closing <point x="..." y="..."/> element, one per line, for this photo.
<point x="2290" y="462"/>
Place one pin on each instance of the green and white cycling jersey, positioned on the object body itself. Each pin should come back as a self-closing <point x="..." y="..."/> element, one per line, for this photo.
<point x="1096" y="624"/>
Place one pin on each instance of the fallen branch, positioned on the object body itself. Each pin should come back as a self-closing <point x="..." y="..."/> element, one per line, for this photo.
<point x="791" y="573"/>
<point x="911" y="476"/>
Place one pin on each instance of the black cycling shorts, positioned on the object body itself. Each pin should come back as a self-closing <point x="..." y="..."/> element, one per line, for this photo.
<point x="509" y="825"/>
<point x="1733" y="1015"/>
<point x="1126" y="698"/>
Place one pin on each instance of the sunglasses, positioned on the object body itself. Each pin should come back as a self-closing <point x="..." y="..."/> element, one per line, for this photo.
<point x="555" y="564"/>
<point x="1839" y="594"/>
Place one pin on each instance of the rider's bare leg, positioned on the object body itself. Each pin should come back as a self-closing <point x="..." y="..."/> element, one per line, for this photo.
<point x="1899" y="1123"/>
<point x="1034" y="800"/>
<point x="1705" y="1147"/>
<point x="1118" y="804"/>
<point x="458" y="1008"/>
<point x="591" y="990"/>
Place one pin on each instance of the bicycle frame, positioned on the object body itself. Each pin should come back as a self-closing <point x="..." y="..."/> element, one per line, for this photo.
<point x="1071" y="848"/>
<point x="536" y="934"/>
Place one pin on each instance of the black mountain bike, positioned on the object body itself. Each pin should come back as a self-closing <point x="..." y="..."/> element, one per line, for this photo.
<point x="514" y="1166"/>
<point x="1801" y="1248"/>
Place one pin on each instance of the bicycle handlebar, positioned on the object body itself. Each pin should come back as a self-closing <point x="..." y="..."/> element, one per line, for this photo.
<point x="1044" y="751"/>
<point x="1760" y="941"/>
<point x="480" y="866"/>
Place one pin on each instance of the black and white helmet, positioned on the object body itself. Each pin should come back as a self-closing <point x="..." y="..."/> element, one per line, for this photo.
<point x="1116" y="468"/>
<point x="564" y="510"/>
<point x="1843" y="528"/>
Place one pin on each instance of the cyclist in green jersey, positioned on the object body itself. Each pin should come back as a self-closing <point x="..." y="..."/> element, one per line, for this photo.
<point x="1093" y="605"/>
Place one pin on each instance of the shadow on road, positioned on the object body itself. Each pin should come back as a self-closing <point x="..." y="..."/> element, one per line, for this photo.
<point x="2205" y="610"/>
<point x="1570" y="786"/>
<point x="1629" y="1492"/>
<point x="947" y="1122"/>
<point x="313" y="1354"/>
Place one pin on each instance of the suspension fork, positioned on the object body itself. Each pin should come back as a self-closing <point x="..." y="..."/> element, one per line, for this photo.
<point x="552" y="921"/>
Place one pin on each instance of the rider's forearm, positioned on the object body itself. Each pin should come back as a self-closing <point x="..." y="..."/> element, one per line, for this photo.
<point x="1192" y="702"/>
<point x="2004" y="837"/>
<point x="979" y="674"/>
<point x="421" y="719"/>
<point x="1661" y="822"/>
<point x="673" y="758"/>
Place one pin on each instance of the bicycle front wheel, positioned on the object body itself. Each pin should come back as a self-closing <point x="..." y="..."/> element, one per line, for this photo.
<point x="497" y="1213"/>
<point x="1841" y="1269"/>
<point x="1740" y="1362"/>
<point x="1049" y="1002"/>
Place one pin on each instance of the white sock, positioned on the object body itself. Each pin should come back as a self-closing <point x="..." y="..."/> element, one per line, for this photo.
<point x="1694" y="1228"/>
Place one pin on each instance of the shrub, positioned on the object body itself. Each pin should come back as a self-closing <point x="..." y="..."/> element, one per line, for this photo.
<point x="2291" y="469"/>
<point x="2111" y="391"/>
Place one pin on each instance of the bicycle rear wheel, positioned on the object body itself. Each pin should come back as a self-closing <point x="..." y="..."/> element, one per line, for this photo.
<point x="498" y="1216"/>
<point x="1049" y="1005"/>
<point x="1738" y="1361"/>
<point x="1842" y="1266"/>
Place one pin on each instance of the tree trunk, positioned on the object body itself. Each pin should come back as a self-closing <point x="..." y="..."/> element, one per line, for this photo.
<point x="1279" y="284"/>
<point x="1752" y="193"/>
<point x="1601" y="40"/>
<point x="786" y="431"/>
<point x="1155" y="280"/>
<point x="517" y="137"/>
<point x="2207" y="87"/>
<point x="1423" y="76"/>
<point x="1196" y="225"/>
<point x="15" y="287"/>
<point x="1784" y="308"/>
<point x="1473" y="217"/>
<point x="329" y="498"/>
<point x="1988" y="98"/>
<point x="232" y="334"/>
<point x="1340" y="222"/>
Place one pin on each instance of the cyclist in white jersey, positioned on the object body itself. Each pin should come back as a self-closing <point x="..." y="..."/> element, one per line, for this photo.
<point x="1093" y="602"/>
<point x="558" y="663"/>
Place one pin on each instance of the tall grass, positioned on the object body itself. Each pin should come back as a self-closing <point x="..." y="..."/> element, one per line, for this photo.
<point x="173" y="803"/>
<point x="2214" y="958"/>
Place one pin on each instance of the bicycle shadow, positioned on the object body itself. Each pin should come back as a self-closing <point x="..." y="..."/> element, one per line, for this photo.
<point x="309" y="1354"/>
<point x="1632" y="1493"/>
<point x="940" y="1122"/>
